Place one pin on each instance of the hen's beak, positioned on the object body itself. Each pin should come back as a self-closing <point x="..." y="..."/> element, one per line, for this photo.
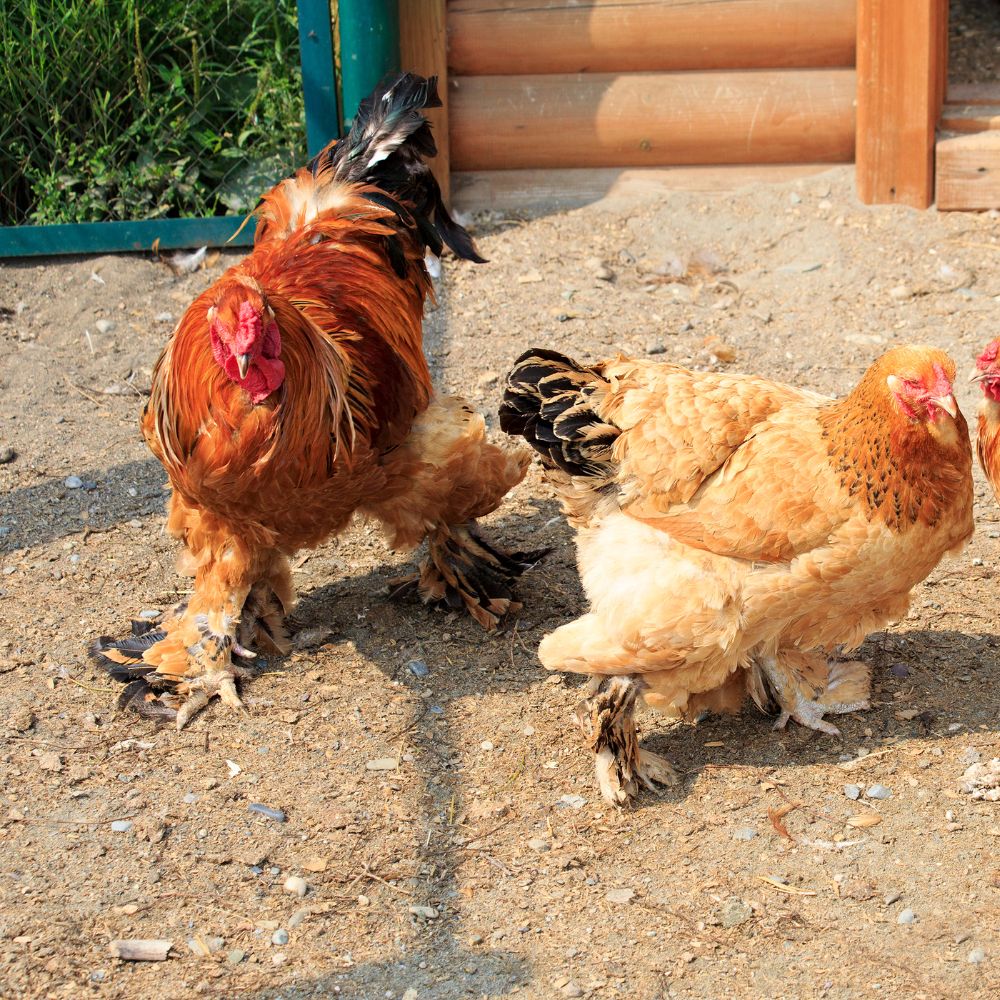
<point x="978" y="376"/>
<point x="947" y="403"/>
<point x="243" y="363"/>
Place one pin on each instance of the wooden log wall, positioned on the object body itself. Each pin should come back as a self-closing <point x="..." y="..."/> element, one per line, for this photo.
<point x="598" y="84"/>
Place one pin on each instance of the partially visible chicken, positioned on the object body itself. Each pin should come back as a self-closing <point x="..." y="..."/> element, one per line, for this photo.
<point x="294" y="393"/>
<point x="987" y="374"/>
<point x="735" y="533"/>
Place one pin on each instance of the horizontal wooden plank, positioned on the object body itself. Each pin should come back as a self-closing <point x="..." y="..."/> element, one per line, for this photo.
<point x="974" y="93"/>
<point x="551" y="190"/>
<point x="113" y="237"/>
<point x="652" y="119"/>
<point x="968" y="172"/>
<point x="513" y="37"/>
<point x="970" y="117"/>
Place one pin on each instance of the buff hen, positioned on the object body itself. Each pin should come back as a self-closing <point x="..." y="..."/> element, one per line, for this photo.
<point x="737" y="535"/>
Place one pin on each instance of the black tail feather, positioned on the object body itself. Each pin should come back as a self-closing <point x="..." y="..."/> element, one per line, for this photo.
<point x="548" y="401"/>
<point x="387" y="146"/>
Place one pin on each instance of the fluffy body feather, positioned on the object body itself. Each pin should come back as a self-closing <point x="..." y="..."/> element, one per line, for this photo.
<point x="734" y="532"/>
<point x="294" y="393"/>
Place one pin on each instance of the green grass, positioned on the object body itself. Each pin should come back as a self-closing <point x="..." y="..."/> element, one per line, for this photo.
<point x="141" y="109"/>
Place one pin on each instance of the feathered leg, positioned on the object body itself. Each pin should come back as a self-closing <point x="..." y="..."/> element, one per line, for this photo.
<point x="444" y="476"/>
<point x="201" y="650"/>
<point x="807" y="686"/>
<point x="606" y="718"/>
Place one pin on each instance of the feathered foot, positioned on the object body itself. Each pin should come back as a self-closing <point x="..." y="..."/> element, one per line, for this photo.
<point x="173" y="671"/>
<point x="807" y="686"/>
<point x="607" y="720"/>
<point x="463" y="569"/>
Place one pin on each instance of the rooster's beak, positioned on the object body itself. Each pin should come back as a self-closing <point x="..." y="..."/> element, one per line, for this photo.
<point x="947" y="403"/>
<point x="243" y="363"/>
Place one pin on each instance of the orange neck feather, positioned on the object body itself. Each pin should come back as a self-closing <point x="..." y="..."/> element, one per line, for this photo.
<point x="900" y="470"/>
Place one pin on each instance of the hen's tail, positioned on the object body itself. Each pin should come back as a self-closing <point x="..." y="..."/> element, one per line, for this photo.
<point x="386" y="148"/>
<point x="552" y="402"/>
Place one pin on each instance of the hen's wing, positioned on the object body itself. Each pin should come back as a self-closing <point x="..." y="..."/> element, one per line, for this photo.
<point x="720" y="462"/>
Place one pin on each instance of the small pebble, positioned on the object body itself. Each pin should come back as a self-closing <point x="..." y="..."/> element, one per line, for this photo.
<point x="280" y="936"/>
<point x="7" y="455"/>
<point x="410" y="994"/>
<point x="734" y="912"/>
<point x="745" y="833"/>
<point x="906" y="916"/>
<point x="383" y="764"/>
<point x="73" y="482"/>
<point x="900" y="670"/>
<point x="852" y="791"/>
<point x="190" y="798"/>
<point x="418" y="668"/>
<point x="164" y="317"/>
<point x="571" y="989"/>
<point x="424" y="912"/>
<point x="892" y="897"/>
<point x="296" y="886"/>
<point x="104" y="326"/>
<point x="121" y="826"/>
<point x="540" y="845"/>
<point x="619" y="895"/>
<point x="276" y="814"/>
<point x="976" y="956"/>
<point x="656" y="347"/>
<point x="901" y="293"/>
<point x="954" y="727"/>
<point x="486" y="745"/>
<point x="878" y="792"/>
<point x="235" y="956"/>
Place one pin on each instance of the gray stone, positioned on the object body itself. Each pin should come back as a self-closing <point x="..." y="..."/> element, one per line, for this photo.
<point x="734" y="912"/>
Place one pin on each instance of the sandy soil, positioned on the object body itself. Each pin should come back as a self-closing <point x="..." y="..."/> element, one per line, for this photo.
<point x="525" y="883"/>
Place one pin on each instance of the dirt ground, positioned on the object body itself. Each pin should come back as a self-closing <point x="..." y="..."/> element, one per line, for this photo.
<point x="484" y="863"/>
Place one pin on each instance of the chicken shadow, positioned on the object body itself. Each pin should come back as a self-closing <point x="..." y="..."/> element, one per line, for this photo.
<point x="49" y="509"/>
<point x="927" y="685"/>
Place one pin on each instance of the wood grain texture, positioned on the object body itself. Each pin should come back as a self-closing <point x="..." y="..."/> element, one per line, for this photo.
<point x="652" y="119"/>
<point x="968" y="172"/>
<point x="901" y="64"/>
<point x="515" y="37"/>
<point x="423" y="43"/>
<point x="550" y="190"/>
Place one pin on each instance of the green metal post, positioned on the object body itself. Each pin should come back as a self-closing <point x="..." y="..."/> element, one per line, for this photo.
<point x="319" y="82"/>
<point x="369" y="49"/>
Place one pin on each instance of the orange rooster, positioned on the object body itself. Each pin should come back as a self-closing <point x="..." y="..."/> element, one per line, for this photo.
<point x="987" y="374"/>
<point x="736" y="534"/>
<point x="294" y="393"/>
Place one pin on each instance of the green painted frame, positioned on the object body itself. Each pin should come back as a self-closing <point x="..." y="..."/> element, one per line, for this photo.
<point x="319" y="88"/>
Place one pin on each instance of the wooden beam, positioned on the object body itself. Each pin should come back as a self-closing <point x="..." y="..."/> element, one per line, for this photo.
<point x="974" y="93"/>
<point x="970" y="117"/>
<point x="652" y="119"/>
<point x="554" y="190"/>
<point x="515" y="37"/>
<point x="968" y="172"/>
<point x="423" y="45"/>
<point x="901" y="75"/>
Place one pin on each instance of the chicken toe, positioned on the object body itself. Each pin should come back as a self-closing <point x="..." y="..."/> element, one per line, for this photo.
<point x="808" y="686"/>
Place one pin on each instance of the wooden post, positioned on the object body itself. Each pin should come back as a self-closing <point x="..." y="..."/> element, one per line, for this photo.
<point x="902" y="58"/>
<point x="423" y="44"/>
